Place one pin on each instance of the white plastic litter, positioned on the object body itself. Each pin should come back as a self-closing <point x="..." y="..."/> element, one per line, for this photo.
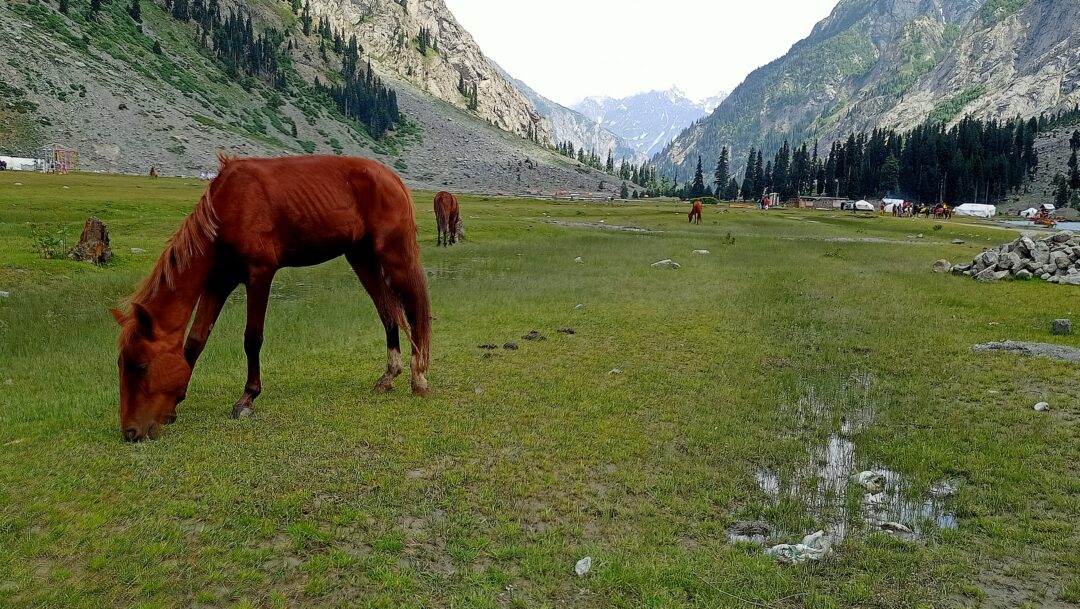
<point x="897" y="530"/>
<point x="873" y="482"/>
<point x="583" y="566"/>
<point x="579" y="260"/>
<point x="813" y="547"/>
<point x="615" y="371"/>
<point x="5" y="294"/>
<point x="1042" y="407"/>
<point x="579" y="307"/>
<point x="701" y="252"/>
<point x="670" y="264"/>
<point x="138" y="250"/>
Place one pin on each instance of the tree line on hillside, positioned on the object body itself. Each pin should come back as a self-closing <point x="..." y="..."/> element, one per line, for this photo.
<point x="973" y="161"/>
<point x="232" y="40"/>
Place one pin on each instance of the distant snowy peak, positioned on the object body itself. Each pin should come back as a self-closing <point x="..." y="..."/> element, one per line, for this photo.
<point x="648" y="121"/>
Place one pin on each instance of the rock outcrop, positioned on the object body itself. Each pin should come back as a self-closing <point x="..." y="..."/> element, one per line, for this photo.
<point x="387" y="31"/>
<point x="1055" y="259"/>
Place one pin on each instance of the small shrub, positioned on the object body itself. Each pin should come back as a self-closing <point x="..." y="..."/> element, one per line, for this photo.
<point x="48" y="241"/>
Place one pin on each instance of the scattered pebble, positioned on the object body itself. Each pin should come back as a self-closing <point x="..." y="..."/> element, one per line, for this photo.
<point x="479" y="391"/>
<point x="489" y="346"/>
<point x="510" y="346"/>
<point x="579" y="307"/>
<point x="569" y="331"/>
<point x="138" y="250"/>
<point x="1042" y="407"/>
<point x="1062" y="327"/>
<point x="18" y="183"/>
<point x="615" y="371"/>
<point x="958" y="242"/>
<point x="579" y="260"/>
<point x="583" y="566"/>
<point x="701" y="252"/>
<point x="534" y="335"/>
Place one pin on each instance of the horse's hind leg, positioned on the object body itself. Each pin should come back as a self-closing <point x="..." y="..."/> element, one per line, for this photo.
<point x="400" y="261"/>
<point x="367" y="270"/>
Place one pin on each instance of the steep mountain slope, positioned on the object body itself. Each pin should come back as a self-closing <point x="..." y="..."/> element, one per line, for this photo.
<point x="571" y="126"/>
<point x="130" y="95"/>
<point x="647" y="121"/>
<point x="895" y="63"/>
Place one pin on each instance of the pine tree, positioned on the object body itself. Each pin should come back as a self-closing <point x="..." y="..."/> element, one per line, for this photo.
<point x="95" y="6"/>
<point x="135" y="11"/>
<point x="749" y="187"/>
<point x="305" y="18"/>
<point x="1061" y="191"/>
<point x="63" y="6"/>
<point x="1074" y="173"/>
<point x="610" y="167"/>
<point x="1074" y="141"/>
<point x="723" y="172"/>
<point x="157" y="48"/>
<point x="624" y="191"/>
<point x="697" y="188"/>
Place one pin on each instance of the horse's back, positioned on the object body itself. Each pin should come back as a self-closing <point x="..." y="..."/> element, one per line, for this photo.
<point x="304" y="210"/>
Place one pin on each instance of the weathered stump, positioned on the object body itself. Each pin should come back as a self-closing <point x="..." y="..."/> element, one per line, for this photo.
<point x="93" y="245"/>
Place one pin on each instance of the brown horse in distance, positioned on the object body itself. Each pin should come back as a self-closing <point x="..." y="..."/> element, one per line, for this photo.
<point x="446" y="216"/>
<point x="695" y="213"/>
<point x="257" y="216"/>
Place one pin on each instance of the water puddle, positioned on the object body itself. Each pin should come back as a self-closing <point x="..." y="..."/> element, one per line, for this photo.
<point x="823" y="482"/>
<point x="599" y="226"/>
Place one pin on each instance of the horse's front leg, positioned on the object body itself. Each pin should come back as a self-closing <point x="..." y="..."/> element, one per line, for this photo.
<point x="258" y="295"/>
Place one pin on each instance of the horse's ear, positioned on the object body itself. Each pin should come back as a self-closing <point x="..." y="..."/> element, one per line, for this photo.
<point x="118" y="315"/>
<point x="142" y="317"/>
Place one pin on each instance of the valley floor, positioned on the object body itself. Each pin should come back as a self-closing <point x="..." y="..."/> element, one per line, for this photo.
<point x="745" y="386"/>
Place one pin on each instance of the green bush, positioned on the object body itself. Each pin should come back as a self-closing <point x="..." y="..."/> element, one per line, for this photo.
<point x="47" y="240"/>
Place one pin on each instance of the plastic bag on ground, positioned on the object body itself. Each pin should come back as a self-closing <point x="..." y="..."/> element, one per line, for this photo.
<point x="813" y="547"/>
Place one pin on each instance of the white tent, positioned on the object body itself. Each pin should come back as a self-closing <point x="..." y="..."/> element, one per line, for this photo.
<point x="976" y="210"/>
<point x="864" y="206"/>
<point x="891" y="204"/>
<point x="1027" y="213"/>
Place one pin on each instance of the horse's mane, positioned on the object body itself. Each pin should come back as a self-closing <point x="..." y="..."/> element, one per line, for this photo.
<point x="194" y="238"/>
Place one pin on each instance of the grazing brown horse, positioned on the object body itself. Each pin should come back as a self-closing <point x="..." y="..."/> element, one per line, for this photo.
<point x="695" y="213"/>
<point x="258" y="216"/>
<point x="153" y="171"/>
<point x="446" y="216"/>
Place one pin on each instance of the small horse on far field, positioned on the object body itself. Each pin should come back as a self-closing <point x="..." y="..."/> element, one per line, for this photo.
<point x="257" y="216"/>
<point x="153" y="171"/>
<point x="447" y="215"/>
<point x="695" y="213"/>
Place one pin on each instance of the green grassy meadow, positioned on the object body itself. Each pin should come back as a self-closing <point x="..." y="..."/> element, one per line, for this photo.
<point x="525" y="461"/>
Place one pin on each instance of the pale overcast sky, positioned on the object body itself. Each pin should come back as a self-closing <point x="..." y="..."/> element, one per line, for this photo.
<point x="570" y="49"/>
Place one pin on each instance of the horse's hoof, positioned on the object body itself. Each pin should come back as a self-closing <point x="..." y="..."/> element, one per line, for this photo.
<point x="423" y="392"/>
<point x="242" y="411"/>
<point x="381" y="387"/>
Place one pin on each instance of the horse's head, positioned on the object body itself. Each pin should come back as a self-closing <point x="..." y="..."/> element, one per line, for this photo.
<point x="154" y="375"/>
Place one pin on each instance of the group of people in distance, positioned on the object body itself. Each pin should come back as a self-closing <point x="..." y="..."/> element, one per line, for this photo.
<point x="911" y="210"/>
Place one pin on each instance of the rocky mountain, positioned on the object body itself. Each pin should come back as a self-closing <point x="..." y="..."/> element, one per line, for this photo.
<point x="895" y="64"/>
<point x="647" y="121"/>
<point x="129" y="94"/>
<point x="571" y="126"/>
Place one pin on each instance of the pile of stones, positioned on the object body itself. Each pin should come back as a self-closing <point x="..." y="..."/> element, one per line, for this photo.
<point x="1055" y="258"/>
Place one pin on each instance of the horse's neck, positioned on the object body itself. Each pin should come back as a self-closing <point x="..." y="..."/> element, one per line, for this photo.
<point x="171" y="307"/>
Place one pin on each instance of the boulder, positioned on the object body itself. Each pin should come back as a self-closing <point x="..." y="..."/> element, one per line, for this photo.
<point x="1060" y="259"/>
<point x="1063" y="237"/>
<point x="1061" y="327"/>
<point x="1069" y="279"/>
<point x="669" y="264"/>
<point x="961" y="269"/>
<point x="987" y="275"/>
<point x="93" y="245"/>
<point x="1024" y="274"/>
<point x="942" y="266"/>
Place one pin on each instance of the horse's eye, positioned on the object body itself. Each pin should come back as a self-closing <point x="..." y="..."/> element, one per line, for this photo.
<point x="137" y="369"/>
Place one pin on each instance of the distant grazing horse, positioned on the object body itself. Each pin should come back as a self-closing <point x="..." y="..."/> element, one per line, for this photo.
<point x="153" y="171"/>
<point x="695" y="213"/>
<point x="446" y="216"/>
<point x="257" y="216"/>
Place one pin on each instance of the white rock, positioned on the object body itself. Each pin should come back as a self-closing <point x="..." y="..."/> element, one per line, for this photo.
<point x="701" y="252"/>
<point x="583" y="566"/>
<point x="138" y="250"/>
<point x="579" y="260"/>
<point x="5" y="294"/>
<point x="1042" y="407"/>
